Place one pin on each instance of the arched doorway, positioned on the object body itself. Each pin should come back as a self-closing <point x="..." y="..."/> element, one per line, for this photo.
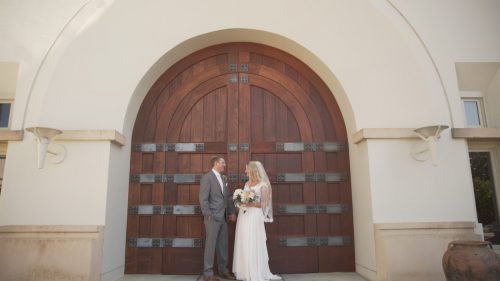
<point x="245" y="102"/>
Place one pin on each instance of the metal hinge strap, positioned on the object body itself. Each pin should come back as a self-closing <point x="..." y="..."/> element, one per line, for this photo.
<point x="300" y="146"/>
<point x="313" y="209"/>
<point x="175" y="178"/>
<point x="170" y="242"/>
<point x="315" y="241"/>
<point x="169" y="147"/>
<point x="164" y="210"/>
<point x="308" y="177"/>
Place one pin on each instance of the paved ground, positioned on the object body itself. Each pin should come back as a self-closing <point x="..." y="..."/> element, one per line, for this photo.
<point x="497" y="249"/>
<point x="337" y="276"/>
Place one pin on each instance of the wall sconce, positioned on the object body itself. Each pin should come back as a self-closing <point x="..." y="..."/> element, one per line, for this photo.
<point x="421" y="151"/>
<point x="44" y="137"/>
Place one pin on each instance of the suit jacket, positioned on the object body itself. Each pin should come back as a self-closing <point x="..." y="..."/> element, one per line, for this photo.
<point x="213" y="201"/>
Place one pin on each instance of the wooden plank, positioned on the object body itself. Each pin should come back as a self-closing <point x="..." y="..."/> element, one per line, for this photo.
<point x="257" y="116"/>
<point x="221" y="114"/>
<point x="209" y="117"/>
<point x="194" y="88"/>
<point x="269" y="108"/>
<point x="204" y="90"/>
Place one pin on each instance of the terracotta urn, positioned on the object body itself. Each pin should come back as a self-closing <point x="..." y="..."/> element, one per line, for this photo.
<point x="471" y="261"/>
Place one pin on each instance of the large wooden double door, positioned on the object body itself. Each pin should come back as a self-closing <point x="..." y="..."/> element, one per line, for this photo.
<point x="244" y="102"/>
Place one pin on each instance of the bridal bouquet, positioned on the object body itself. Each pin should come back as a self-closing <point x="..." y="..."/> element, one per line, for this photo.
<point x="241" y="196"/>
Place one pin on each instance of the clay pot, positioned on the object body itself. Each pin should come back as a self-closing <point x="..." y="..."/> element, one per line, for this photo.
<point x="471" y="261"/>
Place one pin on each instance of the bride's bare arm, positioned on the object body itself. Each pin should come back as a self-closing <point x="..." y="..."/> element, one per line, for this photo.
<point x="251" y="204"/>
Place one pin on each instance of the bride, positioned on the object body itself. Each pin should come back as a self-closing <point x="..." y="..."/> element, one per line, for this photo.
<point x="250" y="262"/>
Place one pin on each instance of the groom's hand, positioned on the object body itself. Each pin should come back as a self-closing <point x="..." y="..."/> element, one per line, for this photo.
<point x="232" y="218"/>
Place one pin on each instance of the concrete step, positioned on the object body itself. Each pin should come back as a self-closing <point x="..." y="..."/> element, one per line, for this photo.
<point x="335" y="276"/>
<point x="497" y="249"/>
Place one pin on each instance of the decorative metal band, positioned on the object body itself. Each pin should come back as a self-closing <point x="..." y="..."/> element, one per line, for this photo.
<point x="315" y="241"/>
<point x="300" y="146"/>
<point x="314" y="177"/>
<point x="233" y="147"/>
<point x="164" y="210"/>
<point x="244" y="79"/>
<point x="233" y="178"/>
<point x="176" y="178"/>
<point x="187" y="178"/>
<point x="233" y="67"/>
<point x="244" y="67"/>
<point x="313" y="209"/>
<point x="165" y="242"/>
<point x="195" y="178"/>
<point x="244" y="178"/>
<point x="169" y="147"/>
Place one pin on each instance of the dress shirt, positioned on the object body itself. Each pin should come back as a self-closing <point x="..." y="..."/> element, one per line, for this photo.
<point x="219" y="178"/>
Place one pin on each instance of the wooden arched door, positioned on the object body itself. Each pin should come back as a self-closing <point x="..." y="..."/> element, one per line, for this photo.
<point x="244" y="102"/>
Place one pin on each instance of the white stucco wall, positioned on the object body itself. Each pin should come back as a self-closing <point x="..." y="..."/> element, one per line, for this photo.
<point x="104" y="55"/>
<point x="116" y="214"/>
<point x="493" y="96"/>
<point x="28" y="30"/>
<point x="455" y="31"/>
<point x="417" y="191"/>
<point x="71" y="193"/>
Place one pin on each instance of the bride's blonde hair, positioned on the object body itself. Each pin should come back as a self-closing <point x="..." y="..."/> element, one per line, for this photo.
<point x="254" y="175"/>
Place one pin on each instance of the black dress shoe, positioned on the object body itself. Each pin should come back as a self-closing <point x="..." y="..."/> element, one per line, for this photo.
<point x="228" y="276"/>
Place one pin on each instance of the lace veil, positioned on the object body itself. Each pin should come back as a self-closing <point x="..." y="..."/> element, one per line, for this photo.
<point x="266" y="192"/>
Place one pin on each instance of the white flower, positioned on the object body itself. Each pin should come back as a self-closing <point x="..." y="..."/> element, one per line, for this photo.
<point x="244" y="197"/>
<point x="251" y="195"/>
<point x="237" y="193"/>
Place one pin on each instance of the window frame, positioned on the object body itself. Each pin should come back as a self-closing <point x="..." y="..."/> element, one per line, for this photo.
<point x="480" y="111"/>
<point x="493" y="148"/>
<point x="11" y="102"/>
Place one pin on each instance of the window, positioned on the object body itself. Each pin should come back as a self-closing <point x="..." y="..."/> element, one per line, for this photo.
<point x="474" y="113"/>
<point x="4" y="115"/>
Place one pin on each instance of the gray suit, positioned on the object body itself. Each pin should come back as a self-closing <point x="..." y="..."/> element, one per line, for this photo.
<point x="216" y="206"/>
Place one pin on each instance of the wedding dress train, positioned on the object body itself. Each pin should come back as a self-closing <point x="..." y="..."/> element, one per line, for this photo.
<point x="251" y="260"/>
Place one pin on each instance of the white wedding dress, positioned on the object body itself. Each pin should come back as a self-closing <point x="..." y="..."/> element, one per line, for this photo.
<point x="251" y="261"/>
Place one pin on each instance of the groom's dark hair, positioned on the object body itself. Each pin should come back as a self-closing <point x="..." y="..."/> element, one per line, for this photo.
<point x="214" y="159"/>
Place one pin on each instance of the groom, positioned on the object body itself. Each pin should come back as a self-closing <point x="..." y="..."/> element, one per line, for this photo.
<point x="217" y="207"/>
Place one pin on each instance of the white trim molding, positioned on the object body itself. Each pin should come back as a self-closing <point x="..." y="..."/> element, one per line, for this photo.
<point x="92" y="135"/>
<point x="384" y="133"/>
<point x="476" y="133"/>
<point x="11" y="135"/>
<point x="71" y="135"/>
